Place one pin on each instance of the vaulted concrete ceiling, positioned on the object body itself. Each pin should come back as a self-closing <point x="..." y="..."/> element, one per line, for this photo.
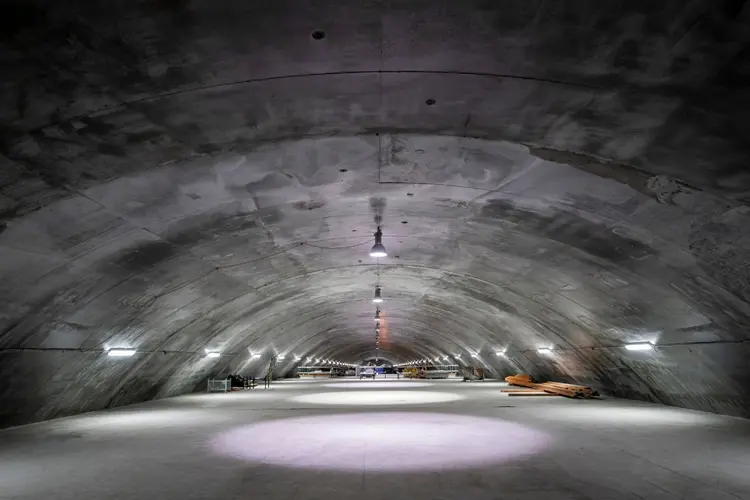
<point x="182" y="175"/>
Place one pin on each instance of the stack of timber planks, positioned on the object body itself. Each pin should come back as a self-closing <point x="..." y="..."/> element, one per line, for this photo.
<point x="558" y="388"/>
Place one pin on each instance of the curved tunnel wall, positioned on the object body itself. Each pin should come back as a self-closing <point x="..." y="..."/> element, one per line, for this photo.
<point x="190" y="200"/>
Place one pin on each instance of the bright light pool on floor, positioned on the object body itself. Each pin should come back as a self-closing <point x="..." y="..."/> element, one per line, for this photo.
<point x="369" y="384"/>
<point x="376" y="398"/>
<point x="381" y="442"/>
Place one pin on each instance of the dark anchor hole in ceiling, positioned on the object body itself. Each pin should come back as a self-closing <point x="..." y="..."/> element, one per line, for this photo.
<point x="430" y="102"/>
<point x="318" y="35"/>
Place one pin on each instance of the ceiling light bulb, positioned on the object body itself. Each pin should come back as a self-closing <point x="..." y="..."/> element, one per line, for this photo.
<point x="212" y="354"/>
<point x="377" y="299"/>
<point x="378" y="250"/>
<point x="544" y="350"/>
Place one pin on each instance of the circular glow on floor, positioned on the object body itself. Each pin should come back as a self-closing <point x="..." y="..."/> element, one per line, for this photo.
<point x="376" y="398"/>
<point x="367" y="384"/>
<point x="381" y="442"/>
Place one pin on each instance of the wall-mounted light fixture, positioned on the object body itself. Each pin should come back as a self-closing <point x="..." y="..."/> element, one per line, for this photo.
<point x="639" y="346"/>
<point x="120" y="353"/>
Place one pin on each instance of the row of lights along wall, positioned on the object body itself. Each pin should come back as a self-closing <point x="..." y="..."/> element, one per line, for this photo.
<point x="636" y="346"/>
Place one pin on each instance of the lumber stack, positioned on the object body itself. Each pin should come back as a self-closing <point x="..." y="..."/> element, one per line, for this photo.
<point x="559" y="388"/>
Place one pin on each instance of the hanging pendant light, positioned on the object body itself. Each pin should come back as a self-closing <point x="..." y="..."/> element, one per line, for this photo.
<point x="377" y="299"/>
<point x="377" y="315"/>
<point x="378" y="250"/>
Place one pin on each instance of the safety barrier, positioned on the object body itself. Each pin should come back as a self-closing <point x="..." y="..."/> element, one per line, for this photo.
<point x="224" y="385"/>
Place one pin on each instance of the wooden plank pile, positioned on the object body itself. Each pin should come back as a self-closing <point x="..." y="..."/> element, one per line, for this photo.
<point x="558" y="388"/>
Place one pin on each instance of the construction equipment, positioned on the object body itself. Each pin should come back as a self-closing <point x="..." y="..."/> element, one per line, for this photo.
<point x="558" y="388"/>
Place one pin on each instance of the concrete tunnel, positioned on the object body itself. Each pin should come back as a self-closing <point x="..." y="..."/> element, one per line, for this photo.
<point x="180" y="177"/>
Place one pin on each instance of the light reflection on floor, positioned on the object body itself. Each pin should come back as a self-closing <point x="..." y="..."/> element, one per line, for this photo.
<point x="260" y="443"/>
<point x="371" y="384"/>
<point x="381" y="442"/>
<point x="376" y="398"/>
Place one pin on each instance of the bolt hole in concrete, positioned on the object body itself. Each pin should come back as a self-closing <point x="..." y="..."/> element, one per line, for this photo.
<point x="381" y="442"/>
<point x="430" y="102"/>
<point x="318" y="35"/>
<point x="343" y="170"/>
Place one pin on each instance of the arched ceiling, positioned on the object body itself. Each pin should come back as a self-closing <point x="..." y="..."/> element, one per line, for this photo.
<point x="183" y="175"/>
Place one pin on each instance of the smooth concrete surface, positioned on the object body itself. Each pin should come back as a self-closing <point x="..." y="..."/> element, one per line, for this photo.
<point x="476" y="444"/>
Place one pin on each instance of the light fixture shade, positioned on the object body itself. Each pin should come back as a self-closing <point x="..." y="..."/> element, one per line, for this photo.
<point x="120" y="353"/>
<point x="639" y="346"/>
<point x="377" y="299"/>
<point x="378" y="250"/>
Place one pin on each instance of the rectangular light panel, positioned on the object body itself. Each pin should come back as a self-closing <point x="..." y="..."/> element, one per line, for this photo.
<point x="120" y="353"/>
<point x="639" y="346"/>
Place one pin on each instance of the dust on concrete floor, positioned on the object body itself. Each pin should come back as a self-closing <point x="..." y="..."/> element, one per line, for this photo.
<point x="339" y="439"/>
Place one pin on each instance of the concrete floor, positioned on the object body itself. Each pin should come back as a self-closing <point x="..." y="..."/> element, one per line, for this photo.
<point x="383" y="439"/>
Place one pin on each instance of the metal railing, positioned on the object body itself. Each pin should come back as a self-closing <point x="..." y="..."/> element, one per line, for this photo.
<point x="223" y="385"/>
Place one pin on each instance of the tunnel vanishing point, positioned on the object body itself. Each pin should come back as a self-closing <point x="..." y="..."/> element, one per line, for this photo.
<point x="184" y="176"/>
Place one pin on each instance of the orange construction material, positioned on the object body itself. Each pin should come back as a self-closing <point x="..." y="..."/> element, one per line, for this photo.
<point x="531" y="393"/>
<point x="567" y="390"/>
